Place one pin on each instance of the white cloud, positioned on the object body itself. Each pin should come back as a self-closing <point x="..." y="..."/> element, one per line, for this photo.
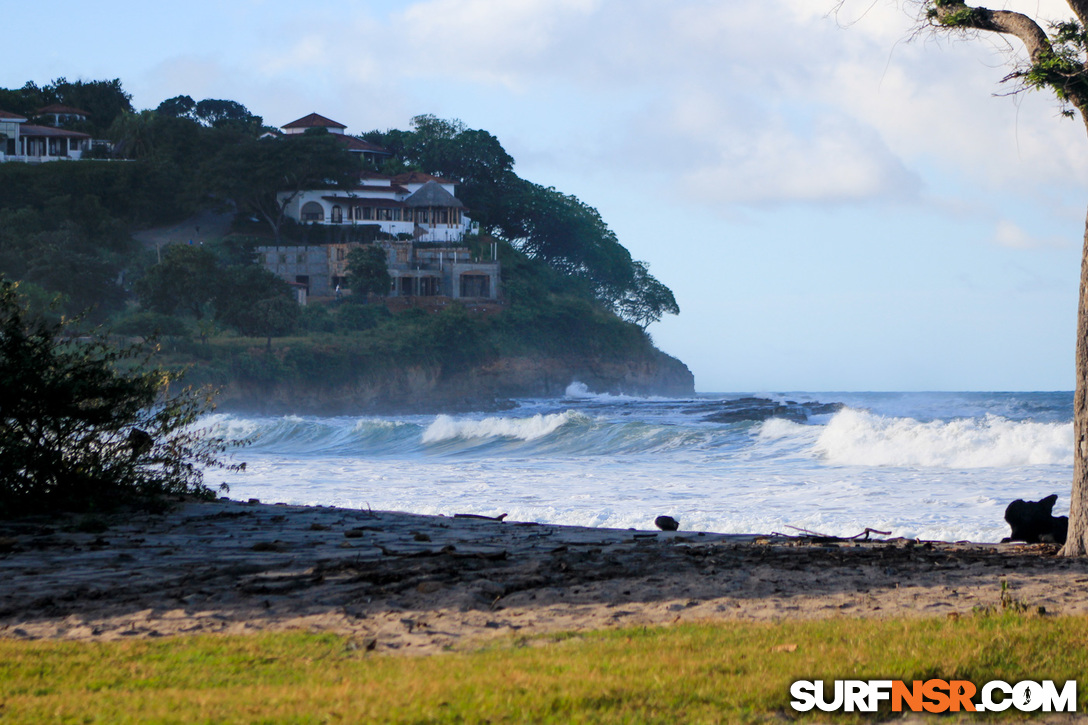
<point x="1011" y="235"/>
<point x="750" y="102"/>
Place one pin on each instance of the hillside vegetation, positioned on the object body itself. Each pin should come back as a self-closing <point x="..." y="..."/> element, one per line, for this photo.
<point x="571" y="291"/>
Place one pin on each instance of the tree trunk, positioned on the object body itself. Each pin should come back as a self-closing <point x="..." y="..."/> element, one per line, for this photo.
<point x="1077" y="542"/>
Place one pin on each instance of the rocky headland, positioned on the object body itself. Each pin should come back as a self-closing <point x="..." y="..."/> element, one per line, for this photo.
<point x="488" y="386"/>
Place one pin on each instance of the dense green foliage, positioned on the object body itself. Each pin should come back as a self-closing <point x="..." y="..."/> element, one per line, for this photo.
<point x="253" y="173"/>
<point x="367" y="272"/>
<point x="86" y="425"/>
<point x="103" y="100"/>
<point x="193" y="281"/>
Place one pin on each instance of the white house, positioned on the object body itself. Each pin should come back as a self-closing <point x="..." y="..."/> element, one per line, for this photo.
<point x="60" y="114"/>
<point x="423" y="221"/>
<point x="30" y="143"/>
<point x="410" y="206"/>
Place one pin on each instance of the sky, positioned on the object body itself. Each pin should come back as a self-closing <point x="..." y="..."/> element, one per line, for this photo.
<point x="838" y="203"/>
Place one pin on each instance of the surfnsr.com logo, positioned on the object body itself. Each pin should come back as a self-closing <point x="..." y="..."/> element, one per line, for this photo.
<point x="934" y="696"/>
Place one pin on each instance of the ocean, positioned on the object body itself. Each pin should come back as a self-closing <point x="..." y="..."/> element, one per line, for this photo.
<point x="939" y="466"/>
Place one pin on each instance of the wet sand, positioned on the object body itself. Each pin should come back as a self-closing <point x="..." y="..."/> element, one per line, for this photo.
<point x="404" y="583"/>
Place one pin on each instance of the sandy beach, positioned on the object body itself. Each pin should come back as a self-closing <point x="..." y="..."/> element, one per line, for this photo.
<point x="410" y="584"/>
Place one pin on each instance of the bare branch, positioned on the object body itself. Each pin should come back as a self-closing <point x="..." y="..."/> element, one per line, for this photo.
<point x="962" y="16"/>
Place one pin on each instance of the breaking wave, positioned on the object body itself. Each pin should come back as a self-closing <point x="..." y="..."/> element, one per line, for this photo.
<point x="860" y="438"/>
<point x="446" y="428"/>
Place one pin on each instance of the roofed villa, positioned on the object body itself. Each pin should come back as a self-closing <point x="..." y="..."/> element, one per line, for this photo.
<point x="31" y="143"/>
<point x="421" y="225"/>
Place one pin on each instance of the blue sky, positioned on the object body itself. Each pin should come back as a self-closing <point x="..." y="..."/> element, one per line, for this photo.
<point x="836" y="206"/>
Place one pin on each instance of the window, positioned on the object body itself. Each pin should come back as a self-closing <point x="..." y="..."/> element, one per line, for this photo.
<point x="441" y="216"/>
<point x="475" y="285"/>
<point x="313" y="212"/>
<point x="300" y="259"/>
<point x="337" y="215"/>
<point x="407" y="215"/>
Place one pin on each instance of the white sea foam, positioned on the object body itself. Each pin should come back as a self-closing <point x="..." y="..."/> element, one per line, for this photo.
<point x="945" y="470"/>
<point x="859" y="438"/>
<point x="579" y="391"/>
<point x="446" y="428"/>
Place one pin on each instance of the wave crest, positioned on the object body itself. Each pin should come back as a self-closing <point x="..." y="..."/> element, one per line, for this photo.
<point x="859" y="438"/>
<point x="447" y="428"/>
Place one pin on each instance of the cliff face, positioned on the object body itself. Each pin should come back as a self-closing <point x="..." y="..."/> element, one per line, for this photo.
<point x="429" y="389"/>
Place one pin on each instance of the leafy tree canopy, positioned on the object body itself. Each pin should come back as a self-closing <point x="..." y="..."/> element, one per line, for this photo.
<point x="263" y="176"/>
<point x="104" y="100"/>
<point x="367" y="272"/>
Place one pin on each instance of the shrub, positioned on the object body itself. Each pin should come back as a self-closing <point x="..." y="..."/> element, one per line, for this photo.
<point x="86" y="426"/>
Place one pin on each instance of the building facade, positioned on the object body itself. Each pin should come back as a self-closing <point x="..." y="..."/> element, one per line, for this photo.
<point x="416" y="206"/>
<point x="416" y="270"/>
<point x="22" y="141"/>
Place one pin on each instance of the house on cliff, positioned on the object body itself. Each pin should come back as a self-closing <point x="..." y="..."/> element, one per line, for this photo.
<point x="31" y="143"/>
<point x="416" y="218"/>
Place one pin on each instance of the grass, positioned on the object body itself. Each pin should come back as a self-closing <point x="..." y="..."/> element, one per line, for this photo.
<point x="722" y="672"/>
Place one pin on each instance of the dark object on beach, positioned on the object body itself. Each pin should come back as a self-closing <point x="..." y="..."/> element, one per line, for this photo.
<point x="139" y="442"/>
<point x="666" y="523"/>
<point x="1032" y="522"/>
<point x="500" y="517"/>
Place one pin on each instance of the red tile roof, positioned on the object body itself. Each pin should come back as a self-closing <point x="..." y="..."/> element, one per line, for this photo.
<point x="357" y="144"/>
<point x="11" y="116"/>
<point x="417" y="177"/>
<point x="314" y="120"/>
<point x="28" y="131"/>
<point x="58" y="108"/>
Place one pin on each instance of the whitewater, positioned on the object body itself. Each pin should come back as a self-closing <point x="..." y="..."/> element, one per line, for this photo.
<point x="940" y="466"/>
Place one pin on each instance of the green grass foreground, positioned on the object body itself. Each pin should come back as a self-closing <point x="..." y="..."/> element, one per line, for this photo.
<point x="722" y="672"/>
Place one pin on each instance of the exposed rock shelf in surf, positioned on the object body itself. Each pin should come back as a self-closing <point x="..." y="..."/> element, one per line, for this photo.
<point x="759" y="409"/>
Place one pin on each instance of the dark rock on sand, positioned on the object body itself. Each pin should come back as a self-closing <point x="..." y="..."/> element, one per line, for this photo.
<point x="1032" y="521"/>
<point x="666" y="523"/>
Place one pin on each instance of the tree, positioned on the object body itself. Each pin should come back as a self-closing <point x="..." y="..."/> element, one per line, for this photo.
<point x="177" y="107"/>
<point x="367" y="272"/>
<point x="86" y="426"/>
<point x="104" y="101"/>
<point x="186" y="280"/>
<point x="262" y="177"/>
<point x="132" y="135"/>
<point x="226" y="114"/>
<point x="646" y="300"/>
<point x="255" y="301"/>
<point x="1057" y="61"/>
